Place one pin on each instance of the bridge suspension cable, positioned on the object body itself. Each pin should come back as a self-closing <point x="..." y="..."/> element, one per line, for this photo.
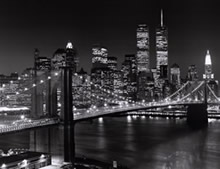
<point x="107" y="91"/>
<point x="192" y="91"/>
<point x="31" y="84"/>
<point x="176" y="92"/>
<point x="212" y="92"/>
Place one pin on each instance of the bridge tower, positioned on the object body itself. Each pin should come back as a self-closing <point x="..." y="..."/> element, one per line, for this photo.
<point x="66" y="66"/>
<point x="197" y="114"/>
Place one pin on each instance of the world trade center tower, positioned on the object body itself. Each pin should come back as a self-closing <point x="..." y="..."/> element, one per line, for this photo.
<point x="162" y="49"/>
<point x="143" y="57"/>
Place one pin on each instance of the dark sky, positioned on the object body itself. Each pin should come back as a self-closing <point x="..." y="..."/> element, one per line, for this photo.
<point x="193" y="25"/>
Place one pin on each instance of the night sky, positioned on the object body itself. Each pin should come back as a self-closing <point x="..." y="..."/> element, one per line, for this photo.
<point x="193" y="27"/>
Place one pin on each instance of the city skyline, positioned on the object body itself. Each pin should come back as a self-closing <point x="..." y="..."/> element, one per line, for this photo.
<point x="189" y="24"/>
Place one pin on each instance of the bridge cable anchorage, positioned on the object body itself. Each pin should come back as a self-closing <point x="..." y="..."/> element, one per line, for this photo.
<point x="192" y="91"/>
<point x="213" y="92"/>
<point x="27" y="87"/>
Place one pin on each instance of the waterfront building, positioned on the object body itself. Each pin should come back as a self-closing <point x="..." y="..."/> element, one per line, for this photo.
<point x="99" y="56"/>
<point x="65" y="57"/>
<point x="175" y="75"/>
<point x="112" y="63"/>
<point x="116" y="76"/>
<point x="118" y="82"/>
<point x="58" y="59"/>
<point x="143" y="46"/>
<point x="24" y="80"/>
<point x="161" y="52"/>
<point x="71" y="57"/>
<point x="81" y="90"/>
<point x="142" y="60"/>
<point x="102" y="73"/>
<point x="209" y="76"/>
<point x="208" y="67"/>
<point x="41" y="63"/>
<point x="192" y="73"/>
<point x="129" y="76"/>
<point x="8" y="88"/>
<point x="101" y="77"/>
<point x="166" y="89"/>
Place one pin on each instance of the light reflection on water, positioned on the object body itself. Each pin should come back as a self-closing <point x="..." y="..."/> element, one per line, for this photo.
<point x="138" y="142"/>
<point x="156" y="143"/>
<point x="129" y="119"/>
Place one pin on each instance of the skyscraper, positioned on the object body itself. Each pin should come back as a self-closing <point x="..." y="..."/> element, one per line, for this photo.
<point x="143" y="60"/>
<point x="129" y="69"/>
<point x="99" y="56"/>
<point x="208" y="67"/>
<point x="112" y="63"/>
<point x="58" y="59"/>
<point x="81" y="89"/>
<point x="209" y="76"/>
<point x="192" y="73"/>
<point x="65" y="57"/>
<point x="71" y="56"/>
<point x="161" y="46"/>
<point x="41" y="63"/>
<point x="101" y="74"/>
<point x="175" y="75"/>
<point x="143" y="57"/>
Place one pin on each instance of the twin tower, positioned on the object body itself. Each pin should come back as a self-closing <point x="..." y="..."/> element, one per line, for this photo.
<point x="143" y="52"/>
<point x="143" y="49"/>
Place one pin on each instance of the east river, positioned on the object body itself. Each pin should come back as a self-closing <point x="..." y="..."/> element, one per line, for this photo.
<point x="137" y="142"/>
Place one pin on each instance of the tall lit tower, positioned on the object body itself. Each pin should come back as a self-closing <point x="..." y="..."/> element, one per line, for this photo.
<point x="71" y="56"/>
<point x="143" y="57"/>
<point x="161" y="46"/>
<point x="208" y="67"/>
<point x="192" y="74"/>
<point x="99" y="56"/>
<point x="175" y="75"/>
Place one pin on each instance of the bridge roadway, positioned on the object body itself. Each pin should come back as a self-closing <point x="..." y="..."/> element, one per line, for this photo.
<point x="86" y="114"/>
<point x="20" y="125"/>
<point x="81" y="115"/>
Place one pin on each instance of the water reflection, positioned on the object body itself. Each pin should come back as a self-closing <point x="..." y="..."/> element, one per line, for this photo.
<point x="100" y="119"/>
<point x="129" y="119"/>
<point x="139" y="142"/>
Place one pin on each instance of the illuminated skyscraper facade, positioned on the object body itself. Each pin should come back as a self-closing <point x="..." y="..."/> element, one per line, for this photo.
<point x="112" y="63"/>
<point x="209" y="76"/>
<point x="129" y="75"/>
<point x="143" y="56"/>
<point x="208" y="67"/>
<point x="161" y="46"/>
<point x="143" y="60"/>
<point x="8" y="88"/>
<point x="101" y="74"/>
<point x="58" y="59"/>
<point x="99" y="56"/>
<point x="65" y="57"/>
<point x="41" y="63"/>
<point x="192" y="73"/>
<point x="175" y="75"/>
<point x="71" y="57"/>
<point x="81" y="90"/>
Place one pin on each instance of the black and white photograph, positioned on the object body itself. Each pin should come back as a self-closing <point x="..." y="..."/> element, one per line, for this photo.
<point x="109" y="84"/>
